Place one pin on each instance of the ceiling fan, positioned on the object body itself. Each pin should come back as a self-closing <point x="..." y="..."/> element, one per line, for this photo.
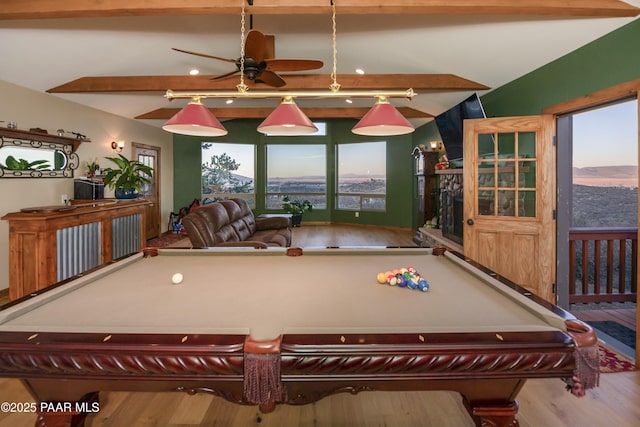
<point x="258" y="66"/>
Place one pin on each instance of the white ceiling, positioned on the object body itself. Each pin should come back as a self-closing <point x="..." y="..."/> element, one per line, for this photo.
<point x="492" y="50"/>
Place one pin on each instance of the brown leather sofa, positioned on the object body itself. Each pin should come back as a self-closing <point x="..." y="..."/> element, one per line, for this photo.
<point x="231" y="223"/>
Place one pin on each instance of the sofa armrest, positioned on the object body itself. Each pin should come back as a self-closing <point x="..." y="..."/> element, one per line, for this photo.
<point x="272" y="223"/>
<point x="245" y="243"/>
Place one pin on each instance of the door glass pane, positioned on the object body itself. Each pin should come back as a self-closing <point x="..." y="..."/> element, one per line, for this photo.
<point x="527" y="145"/>
<point x="506" y="203"/>
<point x="486" y="145"/>
<point x="147" y="190"/>
<point x="527" y="204"/>
<point x="506" y="179"/>
<point x="486" y="178"/>
<point x="506" y="145"/>
<point x="527" y="176"/>
<point x="486" y="202"/>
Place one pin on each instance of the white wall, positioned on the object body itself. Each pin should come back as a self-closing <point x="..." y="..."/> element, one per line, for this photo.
<point x="30" y="109"/>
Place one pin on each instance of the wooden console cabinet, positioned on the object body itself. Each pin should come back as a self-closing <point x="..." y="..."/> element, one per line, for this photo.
<point x="50" y="244"/>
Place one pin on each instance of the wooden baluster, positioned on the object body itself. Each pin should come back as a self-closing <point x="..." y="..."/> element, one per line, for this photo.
<point x="622" y="267"/>
<point x="597" y="277"/>
<point x="609" y="267"/>
<point x="634" y="266"/>
<point x="572" y="269"/>
<point x="585" y="267"/>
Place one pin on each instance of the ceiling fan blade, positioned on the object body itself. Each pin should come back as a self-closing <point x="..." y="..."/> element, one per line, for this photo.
<point x="292" y="64"/>
<point x="204" y="55"/>
<point x="255" y="46"/>
<point x="270" y="78"/>
<point x="224" y="76"/>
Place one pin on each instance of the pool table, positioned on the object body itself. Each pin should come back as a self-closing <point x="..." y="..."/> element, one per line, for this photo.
<point x="288" y="325"/>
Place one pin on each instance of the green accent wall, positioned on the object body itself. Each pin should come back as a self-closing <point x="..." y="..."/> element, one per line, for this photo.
<point x="400" y="183"/>
<point x="608" y="61"/>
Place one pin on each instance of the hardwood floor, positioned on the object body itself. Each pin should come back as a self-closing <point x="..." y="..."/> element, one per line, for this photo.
<point x="543" y="402"/>
<point x="350" y="235"/>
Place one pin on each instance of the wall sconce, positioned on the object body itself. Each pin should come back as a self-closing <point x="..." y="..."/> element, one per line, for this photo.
<point x="117" y="146"/>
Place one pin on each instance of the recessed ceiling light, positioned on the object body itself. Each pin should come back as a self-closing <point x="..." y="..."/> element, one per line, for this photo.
<point x="194" y="72"/>
<point x="229" y="101"/>
<point x="359" y="71"/>
<point x="348" y="101"/>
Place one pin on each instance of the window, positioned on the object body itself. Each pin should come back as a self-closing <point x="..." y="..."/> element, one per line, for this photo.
<point x="298" y="171"/>
<point x="362" y="176"/>
<point x="228" y="171"/>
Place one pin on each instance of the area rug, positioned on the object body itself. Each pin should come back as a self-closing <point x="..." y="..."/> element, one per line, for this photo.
<point x="617" y="331"/>
<point x="611" y="362"/>
<point x="166" y="239"/>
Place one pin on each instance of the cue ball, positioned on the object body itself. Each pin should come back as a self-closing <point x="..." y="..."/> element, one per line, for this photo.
<point x="176" y="278"/>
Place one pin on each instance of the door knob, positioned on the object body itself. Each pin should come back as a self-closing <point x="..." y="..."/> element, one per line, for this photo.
<point x="470" y="221"/>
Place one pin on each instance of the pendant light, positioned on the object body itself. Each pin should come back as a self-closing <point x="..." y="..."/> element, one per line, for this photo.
<point x="287" y="120"/>
<point x="195" y="119"/>
<point x="383" y="119"/>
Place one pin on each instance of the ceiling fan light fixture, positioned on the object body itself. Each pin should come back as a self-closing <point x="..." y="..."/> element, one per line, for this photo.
<point x="287" y="120"/>
<point x="196" y="120"/>
<point x="383" y="119"/>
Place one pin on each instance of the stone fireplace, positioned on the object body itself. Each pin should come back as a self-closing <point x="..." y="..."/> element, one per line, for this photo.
<point x="451" y="204"/>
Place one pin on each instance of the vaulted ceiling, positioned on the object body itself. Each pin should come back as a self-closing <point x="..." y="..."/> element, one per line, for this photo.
<point x="116" y="56"/>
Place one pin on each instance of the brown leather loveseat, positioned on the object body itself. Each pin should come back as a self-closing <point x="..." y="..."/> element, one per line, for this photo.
<point x="231" y="223"/>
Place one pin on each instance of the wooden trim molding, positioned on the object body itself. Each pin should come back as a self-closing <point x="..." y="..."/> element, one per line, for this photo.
<point x="624" y="90"/>
<point x="294" y="81"/>
<point x="46" y="9"/>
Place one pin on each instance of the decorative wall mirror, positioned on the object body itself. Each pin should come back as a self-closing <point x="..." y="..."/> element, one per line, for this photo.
<point x="23" y="155"/>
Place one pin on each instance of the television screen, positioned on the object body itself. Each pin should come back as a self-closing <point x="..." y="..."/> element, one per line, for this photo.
<point x="450" y="124"/>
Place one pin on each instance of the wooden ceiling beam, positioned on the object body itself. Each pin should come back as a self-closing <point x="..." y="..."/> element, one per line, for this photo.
<point x="47" y="9"/>
<point x="261" y="113"/>
<point x="294" y="82"/>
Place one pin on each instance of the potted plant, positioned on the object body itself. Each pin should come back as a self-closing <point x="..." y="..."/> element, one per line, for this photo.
<point x="296" y="208"/>
<point x="128" y="177"/>
<point x="93" y="168"/>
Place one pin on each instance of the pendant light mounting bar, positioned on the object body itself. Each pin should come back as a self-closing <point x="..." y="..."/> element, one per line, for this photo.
<point x="408" y="93"/>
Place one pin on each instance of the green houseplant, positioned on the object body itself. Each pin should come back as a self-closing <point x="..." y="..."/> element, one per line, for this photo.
<point x="296" y="208"/>
<point x="128" y="177"/>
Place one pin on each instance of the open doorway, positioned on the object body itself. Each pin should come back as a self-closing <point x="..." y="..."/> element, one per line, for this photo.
<point x="598" y="218"/>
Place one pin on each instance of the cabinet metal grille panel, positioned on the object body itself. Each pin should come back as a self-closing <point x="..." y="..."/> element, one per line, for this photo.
<point x="125" y="235"/>
<point x="78" y="249"/>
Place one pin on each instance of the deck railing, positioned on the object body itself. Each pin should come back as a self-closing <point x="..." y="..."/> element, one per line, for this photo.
<point x="603" y="265"/>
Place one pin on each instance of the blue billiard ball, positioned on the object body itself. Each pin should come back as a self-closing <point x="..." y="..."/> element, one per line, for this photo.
<point x="423" y="285"/>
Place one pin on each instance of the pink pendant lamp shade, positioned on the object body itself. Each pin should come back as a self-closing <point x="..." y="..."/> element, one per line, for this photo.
<point x="383" y="120"/>
<point x="195" y="119"/>
<point x="287" y="120"/>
